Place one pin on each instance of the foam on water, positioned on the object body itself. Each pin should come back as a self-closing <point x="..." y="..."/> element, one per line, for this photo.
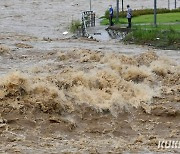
<point x="104" y="81"/>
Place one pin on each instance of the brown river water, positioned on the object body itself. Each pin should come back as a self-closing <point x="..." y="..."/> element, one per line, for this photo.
<point x="64" y="95"/>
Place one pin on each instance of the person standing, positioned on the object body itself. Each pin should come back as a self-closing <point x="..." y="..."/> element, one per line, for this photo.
<point x="111" y="12"/>
<point x="129" y="16"/>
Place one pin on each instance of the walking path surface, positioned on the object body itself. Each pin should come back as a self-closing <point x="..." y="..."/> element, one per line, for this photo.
<point x="99" y="32"/>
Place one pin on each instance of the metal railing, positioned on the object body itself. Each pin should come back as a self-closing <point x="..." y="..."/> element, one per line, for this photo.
<point x="88" y="20"/>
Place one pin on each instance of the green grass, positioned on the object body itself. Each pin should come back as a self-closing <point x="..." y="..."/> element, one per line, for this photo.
<point x="166" y="35"/>
<point x="160" y="38"/>
<point x="175" y="27"/>
<point x="161" y="18"/>
<point x="149" y="19"/>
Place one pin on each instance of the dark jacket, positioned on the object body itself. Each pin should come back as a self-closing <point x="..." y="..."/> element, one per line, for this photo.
<point x="111" y="12"/>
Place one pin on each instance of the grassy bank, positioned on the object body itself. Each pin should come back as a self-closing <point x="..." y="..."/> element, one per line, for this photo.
<point x="161" y="18"/>
<point x="160" y="38"/>
<point x="165" y="36"/>
<point x="173" y="26"/>
<point x="165" y="19"/>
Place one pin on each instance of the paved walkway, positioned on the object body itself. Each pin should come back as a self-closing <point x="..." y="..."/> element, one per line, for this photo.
<point x="98" y="32"/>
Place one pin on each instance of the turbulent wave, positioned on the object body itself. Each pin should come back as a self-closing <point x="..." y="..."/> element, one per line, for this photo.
<point x="104" y="81"/>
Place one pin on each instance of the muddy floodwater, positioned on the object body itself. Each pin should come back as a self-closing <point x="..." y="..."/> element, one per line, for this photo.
<point x="59" y="94"/>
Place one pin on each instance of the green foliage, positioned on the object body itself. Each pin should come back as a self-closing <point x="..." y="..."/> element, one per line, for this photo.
<point x="165" y="36"/>
<point x="165" y="27"/>
<point x="75" y="25"/>
<point x="173" y="37"/>
<point x="148" y="35"/>
<point x="167" y="39"/>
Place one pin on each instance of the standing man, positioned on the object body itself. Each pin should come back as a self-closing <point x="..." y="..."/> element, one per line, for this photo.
<point x="129" y="16"/>
<point x="111" y="12"/>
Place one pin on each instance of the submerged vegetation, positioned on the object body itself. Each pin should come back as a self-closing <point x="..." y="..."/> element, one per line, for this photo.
<point x="75" y="25"/>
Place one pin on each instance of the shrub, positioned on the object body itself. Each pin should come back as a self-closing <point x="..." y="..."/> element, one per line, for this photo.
<point x="173" y="37"/>
<point x="75" y="25"/>
<point x="141" y="36"/>
<point x="167" y="39"/>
